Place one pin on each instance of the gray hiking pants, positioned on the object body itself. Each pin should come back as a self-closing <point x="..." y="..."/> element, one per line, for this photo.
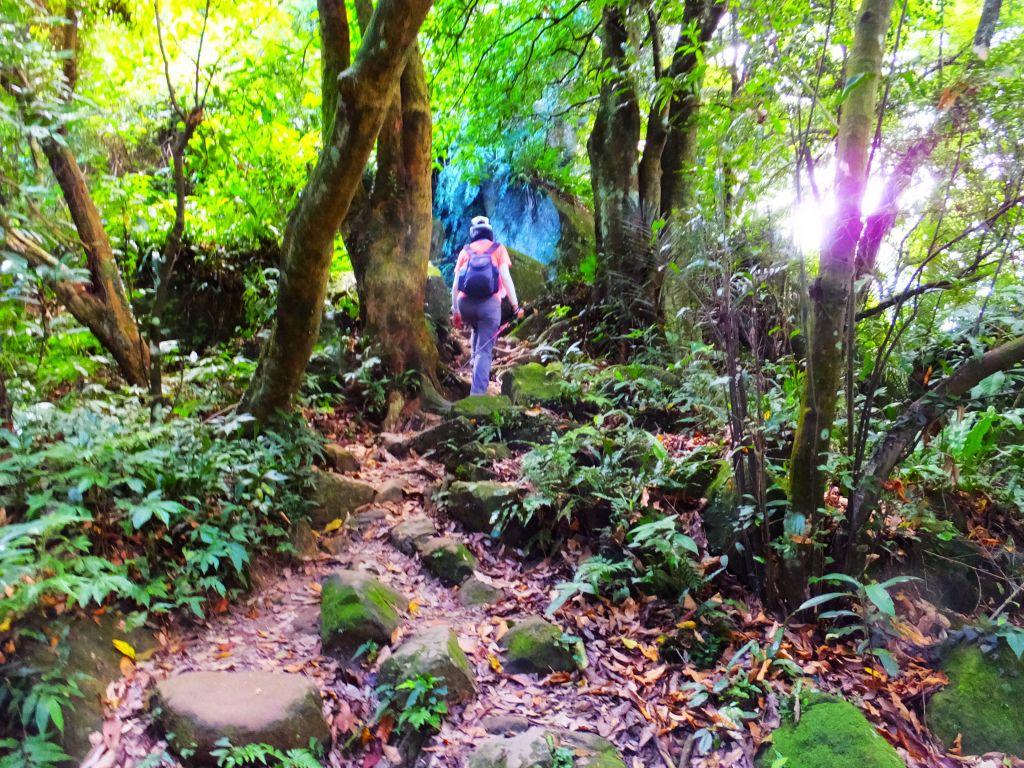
<point x="483" y="316"/>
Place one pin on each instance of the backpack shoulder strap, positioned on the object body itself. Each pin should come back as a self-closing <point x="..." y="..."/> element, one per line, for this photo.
<point x="493" y="247"/>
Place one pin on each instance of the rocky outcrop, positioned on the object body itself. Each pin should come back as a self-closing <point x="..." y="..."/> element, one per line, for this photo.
<point x="356" y="608"/>
<point x="536" y="646"/>
<point x="433" y="652"/>
<point x="547" y="748"/>
<point x="200" y="708"/>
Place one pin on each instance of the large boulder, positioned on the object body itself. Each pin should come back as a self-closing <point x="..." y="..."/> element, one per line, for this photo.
<point x="356" y="608"/>
<point x="982" y="703"/>
<point x="476" y="504"/>
<point x="536" y="646"/>
<point x="832" y="733"/>
<point x="435" y="652"/>
<point x="449" y="560"/>
<point x="200" y="708"/>
<point x="547" y="748"/>
<point x="336" y="497"/>
<point x="529" y="275"/>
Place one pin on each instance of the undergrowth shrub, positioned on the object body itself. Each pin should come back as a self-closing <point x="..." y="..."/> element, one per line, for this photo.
<point x="103" y="505"/>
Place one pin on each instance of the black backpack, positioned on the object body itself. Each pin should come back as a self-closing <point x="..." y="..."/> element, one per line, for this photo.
<point x="479" y="278"/>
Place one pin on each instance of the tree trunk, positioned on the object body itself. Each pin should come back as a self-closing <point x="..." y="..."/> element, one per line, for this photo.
<point x="614" y="157"/>
<point x="922" y="414"/>
<point x="103" y="307"/>
<point x="388" y="235"/>
<point x="680" y="147"/>
<point x="365" y="93"/>
<point x="830" y="292"/>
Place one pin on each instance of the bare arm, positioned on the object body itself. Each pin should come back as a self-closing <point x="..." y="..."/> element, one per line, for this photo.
<point x="510" y="288"/>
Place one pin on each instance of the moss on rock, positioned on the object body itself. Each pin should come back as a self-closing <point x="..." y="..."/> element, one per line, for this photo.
<point x="435" y="652"/>
<point x="482" y="407"/>
<point x="534" y="384"/>
<point x="356" y="608"/>
<point x="475" y="504"/>
<point x="529" y="275"/>
<point x="534" y="749"/>
<point x="449" y="560"/>
<point x="536" y="646"/>
<point x="832" y="733"/>
<point x="982" y="702"/>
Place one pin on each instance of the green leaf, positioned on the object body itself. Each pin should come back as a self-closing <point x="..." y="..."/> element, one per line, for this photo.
<point x="827" y="597"/>
<point x="888" y="661"/>
<point x="879" y="595"/>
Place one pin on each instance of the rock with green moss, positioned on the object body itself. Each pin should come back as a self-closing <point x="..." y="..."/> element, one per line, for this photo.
<point x="982" y="702"/>
<point x="336" y="497"/>
<point x="434" y="652"/>
<point x="547" y="748"/>
<point x="476" y="592"/>
<point x="476" y="504"/>
<point x="448" y="560"/>
<point x="832" y="733"/>
<point x="482" y="408"/>
<point x="200" y="708"/>
<point x="534" y="384"/>
<point x="529" y="275"/>
<point x="355" y="609"/>
<point x="341" y="459"/>
<point x="536" y="646"/>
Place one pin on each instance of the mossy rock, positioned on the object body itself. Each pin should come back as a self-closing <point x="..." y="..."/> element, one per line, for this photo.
<point x="200" y="708"/>
<point x="832" y="733"/>
<point x="435" y="652"/>
<point x="450" y="561"/>
<point x="534" y="384"/>
<point x="411" y="533"/>
<point x="355" y="609"/>
<point x="441" y="439"/>
<point x="536" y="646"/>
<point x="476" y="504"/>
<point x="336" y="497"/>
<point x="536" y="748"/>
<point x="341" y="459"/>
<point x="482" y="408"/>
<point x="982" y="702"/>
<point x="476" y="592"/>
<point x="529" y="276"/>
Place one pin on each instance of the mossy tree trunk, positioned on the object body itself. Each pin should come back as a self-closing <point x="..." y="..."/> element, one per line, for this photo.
<point x="365" y="93"/>
<point x="388" y="227"/>
<point x="829" y="296"/>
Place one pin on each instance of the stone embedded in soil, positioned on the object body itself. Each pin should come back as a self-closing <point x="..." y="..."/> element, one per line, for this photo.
<point x="482" y="407"/>
<point x="411" y="533"/>
<point x="538" y="747"/>
<point x="355" y="609"/>
<point x="441" y="438"/>
<point x="336" y="497"/>
<point x="391" y="490"/>
<point x="341" y="459"/>
<point x="304" y="540"/>
<point x="476" y="504"/>
<point x="449" y="560"/>
<point x="364" y="520"/>
<point x="536" y="646"/>
<point x="435" y="652"/>
<point x="832" y="733"/>
<point x="476" y="592"/>
<point x="982" y="702"/>
<point x="200" y="708"/>
<point x="534" y="384"/>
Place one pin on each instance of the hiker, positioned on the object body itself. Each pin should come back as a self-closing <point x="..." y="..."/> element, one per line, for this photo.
<point x="481" y="281"/>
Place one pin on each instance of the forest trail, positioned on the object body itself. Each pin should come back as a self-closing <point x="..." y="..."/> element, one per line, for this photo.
<point x="276" y="629"/>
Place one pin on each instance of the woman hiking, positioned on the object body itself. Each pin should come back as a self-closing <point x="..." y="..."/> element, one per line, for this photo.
<point x="482" y="280"/>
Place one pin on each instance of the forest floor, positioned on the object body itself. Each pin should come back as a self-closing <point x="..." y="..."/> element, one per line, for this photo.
<point x="645" y="704"/>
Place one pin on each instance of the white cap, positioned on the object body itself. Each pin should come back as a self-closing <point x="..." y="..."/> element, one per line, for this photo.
<point x="480" y="221"/>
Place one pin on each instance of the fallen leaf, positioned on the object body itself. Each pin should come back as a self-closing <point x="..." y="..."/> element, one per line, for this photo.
<point x="125" y="648"/>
